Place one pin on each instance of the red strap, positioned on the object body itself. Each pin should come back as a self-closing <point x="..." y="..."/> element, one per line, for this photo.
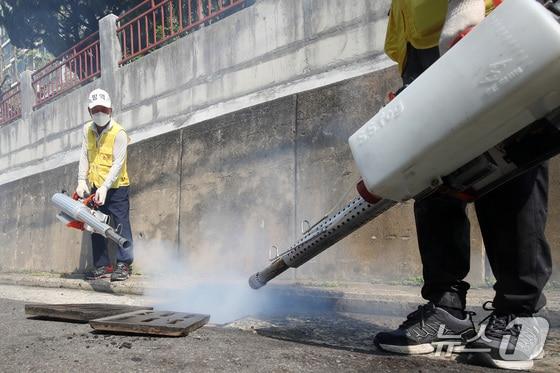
<point x="463" y="196"/>
<point x="461" y="35"/>
<point x="76" y="224"/>
<point x="496" y="3"/>
<point x="89" y="201"/>
<point x="365" y="194"/>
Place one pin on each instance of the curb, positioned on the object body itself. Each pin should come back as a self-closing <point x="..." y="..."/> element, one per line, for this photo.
<point x="71" y="283"/>
<point x="392" y="301"/>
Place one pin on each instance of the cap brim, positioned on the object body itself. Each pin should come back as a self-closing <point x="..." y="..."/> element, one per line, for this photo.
<point x="92" y="105"/>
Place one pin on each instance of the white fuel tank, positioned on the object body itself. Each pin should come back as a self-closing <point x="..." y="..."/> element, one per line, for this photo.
<point x="501" y="77"/>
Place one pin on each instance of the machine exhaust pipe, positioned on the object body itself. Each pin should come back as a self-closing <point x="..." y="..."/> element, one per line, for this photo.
<point x="321" y="236"/>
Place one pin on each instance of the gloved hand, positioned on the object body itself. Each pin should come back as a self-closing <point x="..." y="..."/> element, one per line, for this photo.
<point x="461" y="15"/>
<point x="82" y="188"/>
<point x="100" y="195"/>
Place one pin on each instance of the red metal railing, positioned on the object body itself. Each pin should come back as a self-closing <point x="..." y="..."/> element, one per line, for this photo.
<point x="153" y="22"/>
<point x="75" y="66"/>
<point x="10" y="105"/>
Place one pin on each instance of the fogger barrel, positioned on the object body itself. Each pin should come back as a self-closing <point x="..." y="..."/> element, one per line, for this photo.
<point x="326" y="233"/>
<point x="76" y="210"/>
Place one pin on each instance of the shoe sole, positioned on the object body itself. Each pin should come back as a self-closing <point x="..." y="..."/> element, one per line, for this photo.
<point x="425" y="348"/>
<point x="120" y="279"/>
<point x="506" y="364"/>
<point x="99" y="277"/>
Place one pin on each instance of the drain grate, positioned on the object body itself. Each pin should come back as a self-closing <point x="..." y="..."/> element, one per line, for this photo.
<point x="167" y="323"/>
<point x="83" y="312"/>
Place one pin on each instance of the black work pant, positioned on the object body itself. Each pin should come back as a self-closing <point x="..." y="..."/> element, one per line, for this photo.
<point x="117" y="206"/>
<point x="512" y="219"/>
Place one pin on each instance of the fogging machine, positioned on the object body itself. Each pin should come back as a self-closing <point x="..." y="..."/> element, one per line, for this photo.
<point x="83" y="214"/>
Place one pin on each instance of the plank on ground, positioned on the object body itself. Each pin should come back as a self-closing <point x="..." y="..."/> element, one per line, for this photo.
<point x="167" y="323"/>
<point x="82" y="312"/>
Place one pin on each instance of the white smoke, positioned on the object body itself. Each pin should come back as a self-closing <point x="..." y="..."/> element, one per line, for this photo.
<point x="197" y="282"/>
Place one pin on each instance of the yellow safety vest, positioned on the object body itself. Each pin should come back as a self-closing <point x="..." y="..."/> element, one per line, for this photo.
<point x="491" y="5"/>
<point x="100" y="156"/>
<point x="418" y="22"/>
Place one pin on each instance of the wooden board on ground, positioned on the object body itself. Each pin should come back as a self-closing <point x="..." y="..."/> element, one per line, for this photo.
<point x="167" y="323"/>
<point x="83" y="312"/>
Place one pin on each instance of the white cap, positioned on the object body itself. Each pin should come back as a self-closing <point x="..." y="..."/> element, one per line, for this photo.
<point x="99" y="97"/>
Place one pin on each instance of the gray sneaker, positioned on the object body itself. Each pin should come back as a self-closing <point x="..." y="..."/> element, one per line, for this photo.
<point x="121" y="272"/>
<point x="507" y="341"/>
<point x="99" y="273"/>
<point x="424" y="328"/>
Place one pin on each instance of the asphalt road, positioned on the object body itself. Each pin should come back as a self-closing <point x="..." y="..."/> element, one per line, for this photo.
<point x="279" y="343"/>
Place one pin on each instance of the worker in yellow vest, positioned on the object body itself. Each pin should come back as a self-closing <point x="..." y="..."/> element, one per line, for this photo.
<point x="512" y="220"/>
<point x="103" y="166"/>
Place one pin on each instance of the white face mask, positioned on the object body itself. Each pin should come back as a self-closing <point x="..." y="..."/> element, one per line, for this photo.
<point x="101" y="119"/>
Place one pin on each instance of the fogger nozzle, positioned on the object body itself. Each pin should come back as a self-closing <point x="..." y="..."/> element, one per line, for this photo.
<point x="118" y="239"/>
<point x="259" y="279"/>
<point x="255" y="283"/>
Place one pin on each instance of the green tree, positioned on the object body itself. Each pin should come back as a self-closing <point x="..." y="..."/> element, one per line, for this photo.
<point x="59" y="24"/>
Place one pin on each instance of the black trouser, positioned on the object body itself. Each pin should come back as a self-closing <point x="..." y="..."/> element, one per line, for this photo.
<point x="117" y="206"/>
<point x="512" y="219"/>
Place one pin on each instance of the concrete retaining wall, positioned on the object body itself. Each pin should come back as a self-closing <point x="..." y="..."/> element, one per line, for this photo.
<point x="238" y="184"/>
